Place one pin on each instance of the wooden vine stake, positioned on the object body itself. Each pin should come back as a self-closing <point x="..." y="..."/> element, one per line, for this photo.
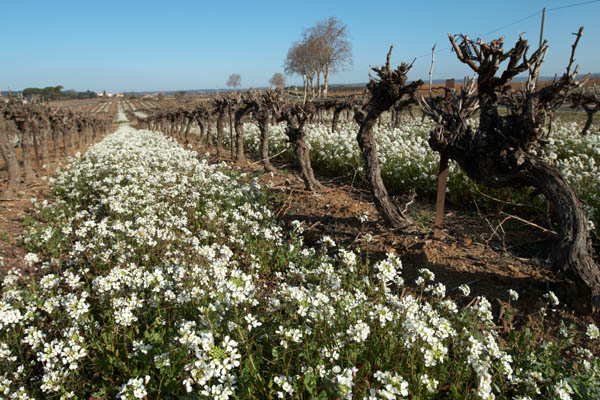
<point x="441" y="196"/>
<point x="442" y="175"/>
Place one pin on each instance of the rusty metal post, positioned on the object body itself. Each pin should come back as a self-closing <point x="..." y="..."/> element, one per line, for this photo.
<point x="441" y="196"/>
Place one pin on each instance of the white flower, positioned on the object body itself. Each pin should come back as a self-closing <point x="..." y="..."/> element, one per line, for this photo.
<point x="427" y="274"/>
<point x="252" y="321"/>
<point x="284" y="382"/>
<point x="359" y="331"/>
<point x="592" y="331"/>
<point x="327" y="241"/>
<point x="551" y="298"/>
<point x="514" y="296"/>
<point x="562" y="390"/>
<point x="430" y="384"/>
<point x="134" y="388"/>
<point x="31" y="258"/>
<point x="464" y="289"/>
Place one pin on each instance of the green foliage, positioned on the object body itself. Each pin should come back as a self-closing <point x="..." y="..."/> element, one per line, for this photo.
<point x="56" y="93"/>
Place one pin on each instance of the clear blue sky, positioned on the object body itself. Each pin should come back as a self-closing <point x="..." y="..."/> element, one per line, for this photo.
<point x="172" y="45"/>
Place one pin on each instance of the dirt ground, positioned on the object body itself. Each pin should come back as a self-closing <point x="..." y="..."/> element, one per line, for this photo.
<point x="483" y="250"/>
<point x="488" y="251"/>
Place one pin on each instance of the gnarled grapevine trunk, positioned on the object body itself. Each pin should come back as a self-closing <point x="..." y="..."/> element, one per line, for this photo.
<point x="263" y="124"/>
<point x="296" y="136"/>
<point x="497" y="153"/>
<point x="368" y="147"/>
<point x="573" y="252"/>
<point x="8" y="154"/>
<point x="220" y="150"/>
<point x="239" y="132"/>
<point x="385" y="92"/>
<point x="296" y="116"/>
<point x="28" y="174"/>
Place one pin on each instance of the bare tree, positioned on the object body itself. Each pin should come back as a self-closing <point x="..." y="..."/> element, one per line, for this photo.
<point x="498" y="153"/>
<point x="296" y="115"/>
<point x="332" y="49"/>
<point x="300" y="61"/>
<point x="234" y="80"/>
<point x="277" y="80"/>
<point x="386" y="90"/>
<point x="324" y="49"/>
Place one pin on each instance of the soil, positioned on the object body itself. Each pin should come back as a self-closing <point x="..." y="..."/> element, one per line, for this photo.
<point x="490" y="252"/>
<point x="484" y="250"/>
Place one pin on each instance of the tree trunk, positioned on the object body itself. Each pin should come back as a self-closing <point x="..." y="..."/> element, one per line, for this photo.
<point x="7" y="151"/>
<point x="181" y="125"/>
<point x="305" y="79"/>
<point x="36" y="149"/>
<point x="28" y="174"/>
<point x="590" y="111"/>
<point x="186" y="132"/>
<point x="207" y="127"/>
<point x="55" y="145"/>
<point x="368" y="147"/>
<point x="335" y="120"/>
<point x="318" y="83"/>
<point x="220" y="118"/>
<point x="45" y="137"/>
<point x="326" y="78"/>
<point x="303" y="154"/>
<point x="203" y="140"/>
<point x="73" y="132"/>
<point x="263" y="124"/>
<point x="573" y="252"/>
<point x="231" y="144"/>
<point x="239" y="133"/>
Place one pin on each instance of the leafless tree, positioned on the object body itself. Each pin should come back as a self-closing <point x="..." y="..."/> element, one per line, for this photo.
<point x="300" y="61"/>
<point x="332" y="47"/>
<point x="277" y="80"/>
<point x="324" y="49"/>
<point x="267" y="107"/>
<point x="234" y="80"/>
<point x="220" y="106"/>
<point x="35" y="126"/>
<point x="386" y="90"/>
<point x="498" y="152"/>
<point x="296" y="115"/>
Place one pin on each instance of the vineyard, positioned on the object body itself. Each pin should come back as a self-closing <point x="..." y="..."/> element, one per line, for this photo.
<point x="260" y="245"/>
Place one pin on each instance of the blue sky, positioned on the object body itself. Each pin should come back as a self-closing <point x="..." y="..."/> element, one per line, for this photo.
<point x="157" y="45"/>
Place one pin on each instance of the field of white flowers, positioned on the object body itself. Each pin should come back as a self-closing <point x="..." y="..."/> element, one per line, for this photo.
<point x="407" y="162"/>
<point x="161" y="276"/>
<point x="121" y="116"/>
